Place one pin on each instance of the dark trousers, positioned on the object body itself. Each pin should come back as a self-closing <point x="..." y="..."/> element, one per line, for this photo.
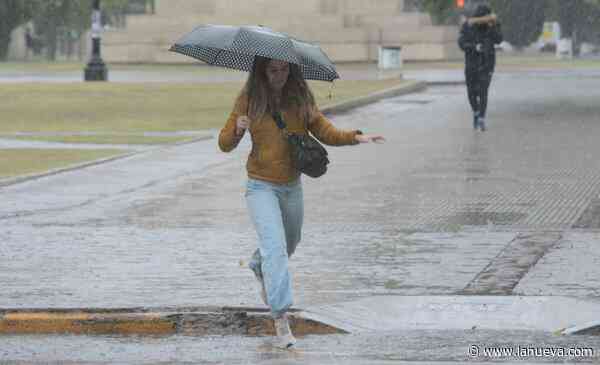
<point x="478" y="85"/>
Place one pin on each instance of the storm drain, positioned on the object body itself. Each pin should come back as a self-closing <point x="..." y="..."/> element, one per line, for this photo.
<point x="225" y="321"/>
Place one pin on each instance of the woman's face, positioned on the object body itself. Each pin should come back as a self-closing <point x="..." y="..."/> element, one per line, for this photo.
<point x="277" y="74"/>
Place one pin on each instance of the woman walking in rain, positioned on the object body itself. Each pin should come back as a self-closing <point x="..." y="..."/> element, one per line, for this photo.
<point x="478" y="36"/>
<point x="274" y="189"/>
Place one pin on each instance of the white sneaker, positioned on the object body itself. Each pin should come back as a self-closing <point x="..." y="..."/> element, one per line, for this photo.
<point x="284" y="338"/>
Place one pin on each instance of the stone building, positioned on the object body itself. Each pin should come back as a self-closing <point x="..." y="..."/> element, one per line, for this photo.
<point x="348" y="30"/>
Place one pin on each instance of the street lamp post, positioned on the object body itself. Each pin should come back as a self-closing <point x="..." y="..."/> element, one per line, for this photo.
<point x="96" y="69"/>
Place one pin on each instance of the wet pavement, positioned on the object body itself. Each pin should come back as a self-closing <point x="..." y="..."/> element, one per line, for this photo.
<point x="439" y="209"/>
<point x="383" y="348"/>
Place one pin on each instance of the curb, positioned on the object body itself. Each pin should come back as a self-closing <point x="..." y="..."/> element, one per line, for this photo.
<point x="445" y="83"/>
<point x="344" y="106"/>
<point x="589" y="329"/>
<point x="199" y="321"/>
<point x="24" y="178"/>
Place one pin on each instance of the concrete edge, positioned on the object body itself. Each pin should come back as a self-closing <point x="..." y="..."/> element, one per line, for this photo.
<point x="121" y="310"/>
<point x="29" y="177"/>
<point x="195" y="321"/>
<point x="445" y="83"/>
<point x="411" y="87"/>
<point x="558" y="315"/>
<point x="589" y="328"/>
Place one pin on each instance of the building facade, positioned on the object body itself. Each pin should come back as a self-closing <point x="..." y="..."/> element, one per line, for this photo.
<point x="348" y="30"/>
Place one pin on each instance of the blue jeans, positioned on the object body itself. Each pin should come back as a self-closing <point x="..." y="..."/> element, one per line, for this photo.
<point x="277" y="211"/>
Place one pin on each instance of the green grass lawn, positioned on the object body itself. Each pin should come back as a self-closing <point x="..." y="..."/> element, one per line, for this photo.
<point x="117" y="108"/>
<point x="106" y="139"/>
<point x="15" y="162"/>
<point x="59" y="67"/>
<point x="35" y="66"/>
<point x="138" y="107"/>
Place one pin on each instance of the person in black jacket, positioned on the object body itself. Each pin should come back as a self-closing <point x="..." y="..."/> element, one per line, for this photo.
<point x="478" y="36"/>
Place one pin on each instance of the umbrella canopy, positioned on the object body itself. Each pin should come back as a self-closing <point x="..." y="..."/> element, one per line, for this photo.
<point x="235" y="47"/>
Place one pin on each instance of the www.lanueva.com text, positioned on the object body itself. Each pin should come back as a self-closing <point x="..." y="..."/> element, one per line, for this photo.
<point x="530" y="351"/>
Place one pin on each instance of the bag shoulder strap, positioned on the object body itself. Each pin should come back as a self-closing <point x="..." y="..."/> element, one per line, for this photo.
<point x="280" y="123"/>
<point x="278" y="120"/>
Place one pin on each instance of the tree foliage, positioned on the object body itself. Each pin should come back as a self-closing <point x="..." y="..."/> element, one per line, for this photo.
<point x="12" y="14"/>
<point x="579" y="19"/>
<point x="522" y="21"/>
<point x="53" y="18"/>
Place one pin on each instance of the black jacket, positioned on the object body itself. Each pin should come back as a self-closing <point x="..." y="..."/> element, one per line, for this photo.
<point x="487" y="36"/>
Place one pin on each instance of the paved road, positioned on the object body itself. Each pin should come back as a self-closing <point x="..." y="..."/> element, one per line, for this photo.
<point x="438" y="210"/>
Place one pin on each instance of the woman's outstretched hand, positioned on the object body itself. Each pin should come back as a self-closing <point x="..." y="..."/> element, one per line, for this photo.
<point x="366" y="138"/>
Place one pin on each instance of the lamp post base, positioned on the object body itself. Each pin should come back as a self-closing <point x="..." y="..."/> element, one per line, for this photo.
<point x="96" y="71"/>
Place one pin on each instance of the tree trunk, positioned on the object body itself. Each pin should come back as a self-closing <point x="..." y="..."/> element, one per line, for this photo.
<point x="12" y="15"/>
<point x="51" y="43"/>
<point x="576" y="42"/>
<point x="4" y="43"/>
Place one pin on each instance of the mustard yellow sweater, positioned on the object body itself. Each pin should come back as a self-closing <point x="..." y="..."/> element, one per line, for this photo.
<point x="270" y="159"/>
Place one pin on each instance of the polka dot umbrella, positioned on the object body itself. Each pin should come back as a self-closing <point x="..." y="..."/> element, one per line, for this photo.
<point x="235" y="47"/>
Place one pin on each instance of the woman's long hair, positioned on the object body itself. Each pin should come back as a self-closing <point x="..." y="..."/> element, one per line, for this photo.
<point x="296" y="92"/>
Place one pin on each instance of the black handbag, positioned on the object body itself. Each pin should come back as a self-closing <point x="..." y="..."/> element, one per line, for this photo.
<point x="308" y="155"/>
